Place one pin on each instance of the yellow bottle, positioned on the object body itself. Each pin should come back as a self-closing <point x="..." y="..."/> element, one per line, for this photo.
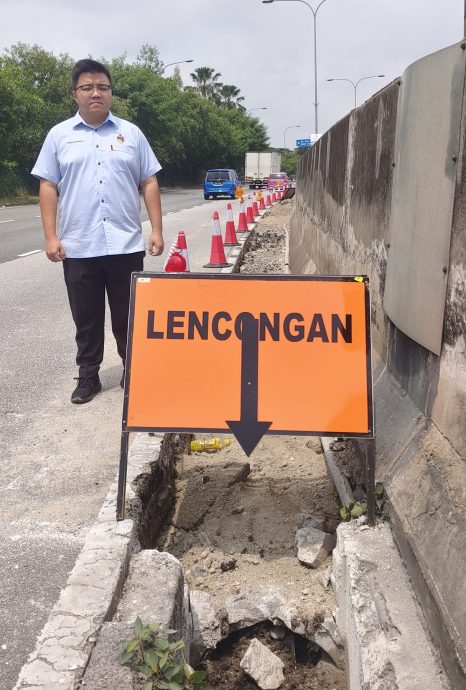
<point x="209" y="445"/>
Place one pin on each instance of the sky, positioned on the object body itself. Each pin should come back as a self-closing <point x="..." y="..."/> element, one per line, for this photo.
<point x="266" y="50"/>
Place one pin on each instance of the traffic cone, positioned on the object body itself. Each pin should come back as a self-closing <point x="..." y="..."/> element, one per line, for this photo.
<point x="255" y="210"/>
<point x="182" y="246"/>
<point x="249" y="214"/>
<point x="268" y="201"/>
<point x="242" y="222"/>
<point x="217" y="252"/>
<point x="261" y="202"/>
<point x="274" y="198"/>
<point x="177" y="260"/>
<point x="230" y="235"/>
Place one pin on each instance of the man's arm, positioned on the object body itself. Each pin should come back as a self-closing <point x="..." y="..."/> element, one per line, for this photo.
<point x="48" y="199"/>
<point x="151" y="194"/>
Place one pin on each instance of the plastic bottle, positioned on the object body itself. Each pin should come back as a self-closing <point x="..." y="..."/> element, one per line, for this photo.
<point x="209" y="445"/>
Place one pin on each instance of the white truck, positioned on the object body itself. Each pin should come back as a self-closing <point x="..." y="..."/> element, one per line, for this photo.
<point x="259" y="165"/>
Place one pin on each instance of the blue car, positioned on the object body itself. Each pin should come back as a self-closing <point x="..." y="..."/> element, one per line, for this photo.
<point x="221" y="182"/>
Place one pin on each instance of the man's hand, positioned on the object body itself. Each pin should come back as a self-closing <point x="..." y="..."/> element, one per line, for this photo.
<point x="54" y="249"/>
<point x="156" y="244"/>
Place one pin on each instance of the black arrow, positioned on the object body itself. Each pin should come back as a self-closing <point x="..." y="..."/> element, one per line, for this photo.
<point x="249" y="431"/>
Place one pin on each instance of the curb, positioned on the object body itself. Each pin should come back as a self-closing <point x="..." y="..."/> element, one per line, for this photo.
<point x="92" y="590"/>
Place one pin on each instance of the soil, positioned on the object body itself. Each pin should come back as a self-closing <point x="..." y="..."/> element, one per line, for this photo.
<point x="235" y="520"/>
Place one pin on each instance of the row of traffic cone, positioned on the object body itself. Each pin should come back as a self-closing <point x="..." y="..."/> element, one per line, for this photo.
<point x="177" y="260"/>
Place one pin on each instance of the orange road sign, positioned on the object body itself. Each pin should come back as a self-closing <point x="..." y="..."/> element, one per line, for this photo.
<point x="250" y="355"/>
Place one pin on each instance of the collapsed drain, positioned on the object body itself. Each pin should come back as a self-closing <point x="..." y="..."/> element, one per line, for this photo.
<point x="306" y="666"/>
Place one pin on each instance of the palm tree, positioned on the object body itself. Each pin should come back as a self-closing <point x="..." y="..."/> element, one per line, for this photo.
<point x="230" y="97"/>
<point x="206" y="82"/>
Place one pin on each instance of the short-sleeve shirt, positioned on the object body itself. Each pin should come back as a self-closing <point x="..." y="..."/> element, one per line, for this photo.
<point x="98" y="172"/>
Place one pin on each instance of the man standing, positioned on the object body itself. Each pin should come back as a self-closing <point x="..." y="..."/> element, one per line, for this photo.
<point x="91" y="168"/>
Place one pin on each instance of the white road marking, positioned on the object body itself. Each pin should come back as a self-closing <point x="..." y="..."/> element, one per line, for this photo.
<point x="8" y="221"/>
<point x="34" y="251"/>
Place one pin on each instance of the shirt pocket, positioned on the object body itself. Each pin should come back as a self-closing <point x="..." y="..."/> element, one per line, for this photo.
<point x="122" y="157"/>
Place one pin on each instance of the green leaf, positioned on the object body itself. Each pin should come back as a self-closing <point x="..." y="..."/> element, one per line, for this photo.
<point x="188" y="670"/>
<point x="171" y="671"/>
<point x="125" y="656"/>
<point x="175" y="686"/>
<point x="146" y="633"/>
<point x="162" y="644"/>
<point x="174" y="646"/>
<point x="151" y="658"/>
<point x="138" y="627"/>
<point x="145" y="670"/>
<point x="163" y="661"/>
<point x="131" y="645"/>
<point x="147" y="686"/>
<point x="162" y="685"/>
<point x="345" y="513"/>
<point x="197" y="676"/>
<point x="379" y="489"/>
<point x="170" y="632"/>
<point x="358" y="509"/>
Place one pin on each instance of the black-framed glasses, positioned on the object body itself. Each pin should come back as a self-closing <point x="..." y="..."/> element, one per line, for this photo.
<point x="89" y="88"/>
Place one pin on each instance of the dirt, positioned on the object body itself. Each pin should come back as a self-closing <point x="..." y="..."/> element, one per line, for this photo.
<point x="235" y="520"/>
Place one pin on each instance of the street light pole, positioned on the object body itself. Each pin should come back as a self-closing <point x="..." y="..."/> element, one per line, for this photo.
<point x="180" y="62"/>
<point x="290" y="127"/>
<point x="355" y="84"/>
<point x="314" y="14"/>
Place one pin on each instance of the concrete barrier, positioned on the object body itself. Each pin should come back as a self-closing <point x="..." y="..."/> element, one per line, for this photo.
<point x="347" y="200"/>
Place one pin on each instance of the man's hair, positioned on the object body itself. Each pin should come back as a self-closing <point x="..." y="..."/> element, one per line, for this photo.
<point x="88" y="66"/>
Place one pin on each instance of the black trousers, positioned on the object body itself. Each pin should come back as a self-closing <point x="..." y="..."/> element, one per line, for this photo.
<point x="87" y="281"/>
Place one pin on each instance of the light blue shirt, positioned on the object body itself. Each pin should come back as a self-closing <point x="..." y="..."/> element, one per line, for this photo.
<point x="98" y="172"/>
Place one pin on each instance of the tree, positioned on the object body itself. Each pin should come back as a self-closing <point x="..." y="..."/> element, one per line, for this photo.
<point x="149" y="58"/>
<point x="230" y="97"/>
<point x="206" y="83"/>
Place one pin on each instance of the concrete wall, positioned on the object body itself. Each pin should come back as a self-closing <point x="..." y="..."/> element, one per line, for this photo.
<point x="346" y="201"/>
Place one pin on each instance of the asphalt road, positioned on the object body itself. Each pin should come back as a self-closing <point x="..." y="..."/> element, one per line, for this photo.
<point x="57" y="459"/>
<point x="21" y="228"/>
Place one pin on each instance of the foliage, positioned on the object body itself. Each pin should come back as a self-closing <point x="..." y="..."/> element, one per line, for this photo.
<point x="352" y="511"/>
<point x="155" y="660"/>
<point x="190" y="129"/>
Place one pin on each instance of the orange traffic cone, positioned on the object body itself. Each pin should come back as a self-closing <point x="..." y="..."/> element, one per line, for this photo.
<point x="274" y="198"/>
<point x="242" y="222"/>
<point x="268" y="202"/>
<point x="230" y="235"/>
<point x="177" y="260"/>
<point x="261" y="202"/>
<point x="217" y="252"/>
<point x="255" y="210"/>
<point x="182" y="246"/>
<point x="249" y="214"/>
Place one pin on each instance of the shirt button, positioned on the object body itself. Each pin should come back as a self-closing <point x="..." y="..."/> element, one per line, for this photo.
<point x="100" y="181"/>
<point x="98" y="163"/>
<point x="97" y="146"/>
<point x="102" y="201"/>
<point x="105" y="220"/>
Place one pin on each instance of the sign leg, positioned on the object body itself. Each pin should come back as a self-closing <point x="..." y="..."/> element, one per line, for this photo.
<point x="370" y="480"/>
<point x="121" y="496"/>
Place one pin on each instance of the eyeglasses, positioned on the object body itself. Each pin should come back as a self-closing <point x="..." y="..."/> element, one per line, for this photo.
<point x="89" y="88"/>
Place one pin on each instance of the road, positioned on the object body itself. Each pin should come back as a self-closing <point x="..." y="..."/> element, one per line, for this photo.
<point x="21" y="228"/>
<point x="58" y="459"/>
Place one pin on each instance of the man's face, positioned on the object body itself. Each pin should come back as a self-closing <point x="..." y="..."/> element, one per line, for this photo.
<point x="93" y="96"/>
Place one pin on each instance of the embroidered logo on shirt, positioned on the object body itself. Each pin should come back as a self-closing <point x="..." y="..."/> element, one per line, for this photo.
<point x="120" y="138"/>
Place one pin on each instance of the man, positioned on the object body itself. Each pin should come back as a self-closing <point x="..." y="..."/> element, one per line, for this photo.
<point x="91" y="168"/>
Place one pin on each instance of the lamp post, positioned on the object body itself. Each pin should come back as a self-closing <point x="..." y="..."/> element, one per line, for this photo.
<point x="180" y="62"/>
<point x="286" y="130"/>
<point x="250" y="111"/>
<point x="355" y="84"/>
<point x="314" y="14"/>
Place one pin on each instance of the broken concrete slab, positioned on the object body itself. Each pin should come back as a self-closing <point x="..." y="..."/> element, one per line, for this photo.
<point x="313" y="546"/>
<point x="263" y="666"/>
<point x="207" y="625"/>
<point x="386" y="644"/>
<point x="155" y="592"/>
